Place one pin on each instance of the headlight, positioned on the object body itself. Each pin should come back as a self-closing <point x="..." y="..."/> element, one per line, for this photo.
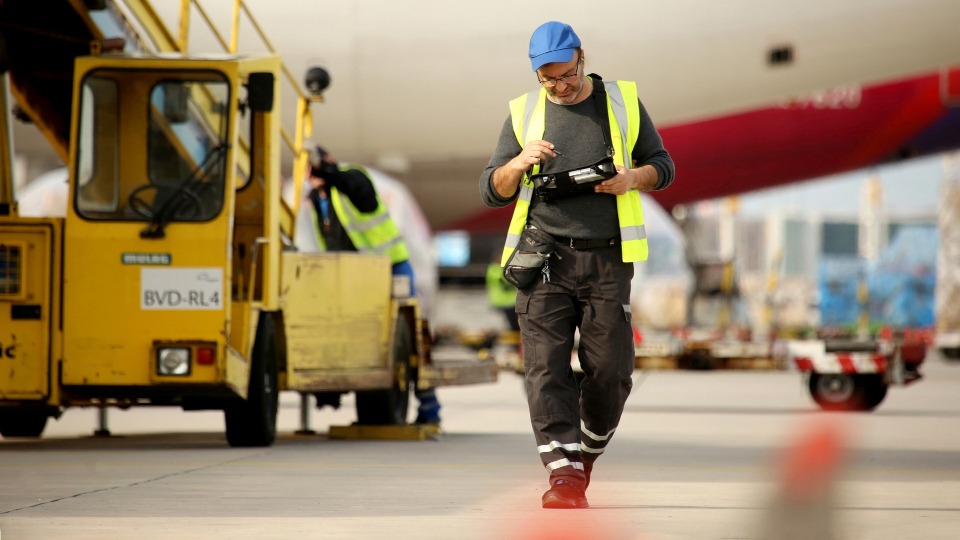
<point x="173" y="361"/>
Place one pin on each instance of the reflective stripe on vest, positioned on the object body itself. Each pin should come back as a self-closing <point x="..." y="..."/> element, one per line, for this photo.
<point x="374" y="232"/>
<point x="528" y="113"/>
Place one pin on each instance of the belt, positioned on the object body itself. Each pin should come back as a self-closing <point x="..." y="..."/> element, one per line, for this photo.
<point x="588" y="243"/>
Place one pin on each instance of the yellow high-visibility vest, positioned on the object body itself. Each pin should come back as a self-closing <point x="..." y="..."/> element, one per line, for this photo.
<point x="528" y="114"/>
<point x="373" y="232"/>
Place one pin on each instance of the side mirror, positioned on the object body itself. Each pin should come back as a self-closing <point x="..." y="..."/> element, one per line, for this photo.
<point x="260" y="91"/>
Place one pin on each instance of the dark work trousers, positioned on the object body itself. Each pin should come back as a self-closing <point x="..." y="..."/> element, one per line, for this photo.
<point x="590" y="290"/>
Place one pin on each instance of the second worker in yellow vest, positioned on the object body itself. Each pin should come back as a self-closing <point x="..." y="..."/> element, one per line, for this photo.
<point x="349" y="216"/>
<point x="571" y="122"/>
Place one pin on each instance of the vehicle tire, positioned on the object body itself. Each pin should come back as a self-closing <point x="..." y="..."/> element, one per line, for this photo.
<point x="846" y="392"/>
<point x="696" y="360"/>
<point x="22" y="423"/>
<point x="389" y="407"/>
<point x="875" y="392"/>
<point x="950" y="353"/>
<point x="253" y="421"/>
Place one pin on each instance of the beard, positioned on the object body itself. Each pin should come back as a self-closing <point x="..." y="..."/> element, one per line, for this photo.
<point x="569" y="94"/>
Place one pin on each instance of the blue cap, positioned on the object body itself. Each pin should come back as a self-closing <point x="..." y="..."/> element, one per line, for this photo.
<point x="552" y="42"/>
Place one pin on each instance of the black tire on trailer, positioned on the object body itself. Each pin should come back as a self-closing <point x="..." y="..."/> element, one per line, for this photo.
<point x="22" y="422"/>
<point x="950" y="353"/>
<point x="876" y="391"/>
<point x="253" y="421"/>
<point x="389" y="407"/>
<point x="847" y="392"/>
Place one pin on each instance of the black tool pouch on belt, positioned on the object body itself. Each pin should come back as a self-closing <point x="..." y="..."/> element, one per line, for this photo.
<point x="530" y="259"/>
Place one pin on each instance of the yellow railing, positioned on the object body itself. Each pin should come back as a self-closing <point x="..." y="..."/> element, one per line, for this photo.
<point x="164" y="41"/>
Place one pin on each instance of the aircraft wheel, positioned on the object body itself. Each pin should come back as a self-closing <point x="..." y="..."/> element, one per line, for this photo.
<point x="390" y="406"/>
<point x="253" y="421"/>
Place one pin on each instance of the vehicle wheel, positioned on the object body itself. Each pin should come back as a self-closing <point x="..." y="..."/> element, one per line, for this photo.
<point x="22" y="423"/>
<point x="844" y="392"/>
<point x="697" y="360"/>
<point x="253" y="421"/>
<point x="950" y="353"/>
<point x="390" y="406"/>
<point x="875" y="392"/>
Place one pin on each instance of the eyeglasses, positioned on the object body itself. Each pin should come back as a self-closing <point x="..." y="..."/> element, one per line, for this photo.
<point x="549" y="82"/>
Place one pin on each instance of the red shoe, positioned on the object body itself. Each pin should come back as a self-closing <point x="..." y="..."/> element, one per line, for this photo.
<point x="563" y="494"/>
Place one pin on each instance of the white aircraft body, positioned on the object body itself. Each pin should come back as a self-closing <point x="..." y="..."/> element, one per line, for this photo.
<point x="420" y="88"/>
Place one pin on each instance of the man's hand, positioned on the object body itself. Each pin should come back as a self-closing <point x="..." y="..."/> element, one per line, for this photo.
<point x="506" y="179"/>
<point x="533" y="153"/>
<point x="642" y="179"/>
<point x="325" y="172"/>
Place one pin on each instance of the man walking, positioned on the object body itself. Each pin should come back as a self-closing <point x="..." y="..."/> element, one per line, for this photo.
<point x="599" y="148"/>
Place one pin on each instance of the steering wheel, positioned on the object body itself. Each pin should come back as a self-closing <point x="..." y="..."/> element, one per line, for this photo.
<point x="142" y="207"/>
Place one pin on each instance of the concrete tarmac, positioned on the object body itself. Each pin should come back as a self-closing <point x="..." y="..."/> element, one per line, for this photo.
<point x="699" y="455"/>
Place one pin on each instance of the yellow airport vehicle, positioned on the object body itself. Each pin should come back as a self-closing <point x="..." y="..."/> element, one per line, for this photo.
<point x="172" y="279"/>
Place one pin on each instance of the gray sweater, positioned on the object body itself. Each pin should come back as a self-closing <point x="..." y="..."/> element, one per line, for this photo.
<point x="576" y="132"/>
